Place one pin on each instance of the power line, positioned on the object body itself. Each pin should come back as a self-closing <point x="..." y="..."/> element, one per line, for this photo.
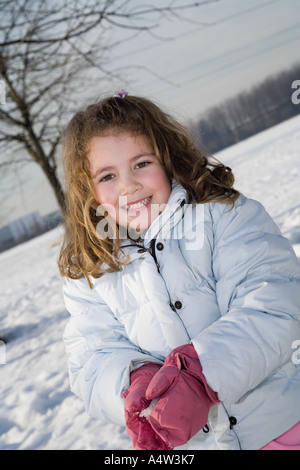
<point x="203" y="28"/>
<point x="242" y="49"/>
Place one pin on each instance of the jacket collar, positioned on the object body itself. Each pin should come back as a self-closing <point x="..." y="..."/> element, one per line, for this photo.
<point x="166" y="221"/>
<point x="170" y="217"/>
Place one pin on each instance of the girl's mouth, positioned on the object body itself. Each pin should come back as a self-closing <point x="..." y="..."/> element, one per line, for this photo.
<point x="135" y="206"/>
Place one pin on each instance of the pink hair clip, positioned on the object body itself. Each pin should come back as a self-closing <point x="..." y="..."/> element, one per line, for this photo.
<point x="121" y="94"/>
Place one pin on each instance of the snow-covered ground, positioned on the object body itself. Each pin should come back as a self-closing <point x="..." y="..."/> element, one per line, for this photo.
<point x="37" y="410"/>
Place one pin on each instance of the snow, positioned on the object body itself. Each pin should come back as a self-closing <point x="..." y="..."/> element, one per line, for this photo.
<point x="37" y="409"/>
<point x="147" y="411"/>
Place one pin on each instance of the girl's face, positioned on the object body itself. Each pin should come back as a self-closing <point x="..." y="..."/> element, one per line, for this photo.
<point x="128" y="179"/>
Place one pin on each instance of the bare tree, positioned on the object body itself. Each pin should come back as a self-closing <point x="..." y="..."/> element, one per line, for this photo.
<point x="248" y="113"/>
<point x="47" y="52"/>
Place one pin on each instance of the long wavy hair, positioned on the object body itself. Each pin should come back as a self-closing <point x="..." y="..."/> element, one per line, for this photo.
<point x="83" y="252"/>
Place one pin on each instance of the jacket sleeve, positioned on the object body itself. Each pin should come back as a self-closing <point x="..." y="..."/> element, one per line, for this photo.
<point x="100" y="355"/>
<point x="258" y="290"/>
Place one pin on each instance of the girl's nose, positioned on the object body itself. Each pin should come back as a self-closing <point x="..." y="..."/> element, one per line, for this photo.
<point x="129" y="184"/>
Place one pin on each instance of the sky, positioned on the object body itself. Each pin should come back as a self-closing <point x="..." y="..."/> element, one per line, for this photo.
<point x="186" y="64"/>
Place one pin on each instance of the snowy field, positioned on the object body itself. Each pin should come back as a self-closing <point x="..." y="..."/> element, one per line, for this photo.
<point x="37" y="410"/>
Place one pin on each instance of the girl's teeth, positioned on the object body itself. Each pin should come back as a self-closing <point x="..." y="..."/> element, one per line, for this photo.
<point x="138" y="204"/>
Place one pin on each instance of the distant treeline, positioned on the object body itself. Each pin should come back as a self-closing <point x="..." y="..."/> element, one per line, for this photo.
<point x="248" y="113"/>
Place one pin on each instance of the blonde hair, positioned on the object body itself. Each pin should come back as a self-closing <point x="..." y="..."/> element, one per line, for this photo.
<point x="83" y="252"/>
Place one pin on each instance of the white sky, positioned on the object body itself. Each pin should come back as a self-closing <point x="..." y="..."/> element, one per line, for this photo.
<point x="224" y="48"/>
<point x="220" y="49"/>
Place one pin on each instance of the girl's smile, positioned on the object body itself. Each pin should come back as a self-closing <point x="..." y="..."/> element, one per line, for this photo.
<point x="128" y="179"/>
<point x="138" y="205"/>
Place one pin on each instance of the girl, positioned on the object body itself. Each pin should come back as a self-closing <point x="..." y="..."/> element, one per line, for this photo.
<point x="183" y="294"/>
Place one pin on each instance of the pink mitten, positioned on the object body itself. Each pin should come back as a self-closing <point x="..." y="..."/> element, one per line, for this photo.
<point x="184" y="397"/>
<point x="137" y="427"/>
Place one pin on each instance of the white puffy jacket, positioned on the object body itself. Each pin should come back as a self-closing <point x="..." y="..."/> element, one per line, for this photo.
<point x="222" y="278"/>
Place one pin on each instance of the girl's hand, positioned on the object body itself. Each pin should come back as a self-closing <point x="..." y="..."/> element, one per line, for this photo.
<point x="184" y="397"/>
<point x="138" y="427"/>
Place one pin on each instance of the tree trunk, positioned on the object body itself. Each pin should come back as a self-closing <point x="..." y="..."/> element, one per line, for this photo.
<point x="37" y="153"/>
<point x="55" y="184"/>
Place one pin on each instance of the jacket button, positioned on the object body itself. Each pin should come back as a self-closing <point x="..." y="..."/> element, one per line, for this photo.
<point x="178" y="304"/>
<point x="160" y="246"/>
<point x="232" y="421"/>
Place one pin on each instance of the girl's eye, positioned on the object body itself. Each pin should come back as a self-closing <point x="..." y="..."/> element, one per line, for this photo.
<point x="142" y="164"/>
<point x="106" y="178"/>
